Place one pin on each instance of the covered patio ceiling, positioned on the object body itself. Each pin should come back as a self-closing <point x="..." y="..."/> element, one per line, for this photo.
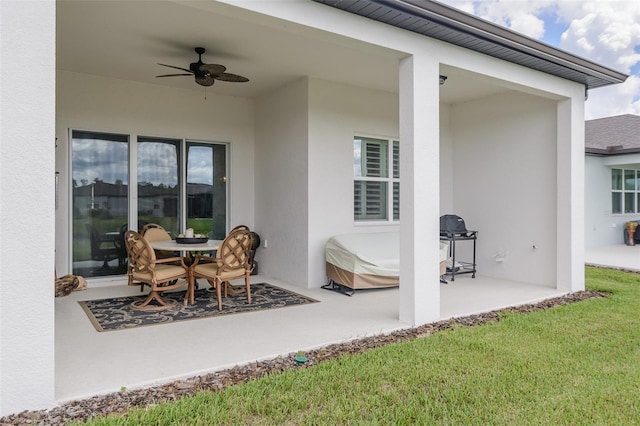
<point x="127" y="40"/>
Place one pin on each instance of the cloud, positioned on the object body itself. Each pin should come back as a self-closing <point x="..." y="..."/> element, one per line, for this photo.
<point x="604" y="31"/>
<point x="614" y="100"/>
<point x="521" y="16"/>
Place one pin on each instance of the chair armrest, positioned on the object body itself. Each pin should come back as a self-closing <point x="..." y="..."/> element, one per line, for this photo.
<point x="204" y="259"/>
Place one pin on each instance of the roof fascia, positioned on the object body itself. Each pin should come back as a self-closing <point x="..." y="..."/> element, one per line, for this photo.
<point x="472" y="25"/>
<point x="608" y="153"/>
<point x="437" y="15"/>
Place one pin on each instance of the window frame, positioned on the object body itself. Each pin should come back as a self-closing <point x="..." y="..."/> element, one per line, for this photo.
<point x="392" y="180"/>
<point x="623" y="191"/>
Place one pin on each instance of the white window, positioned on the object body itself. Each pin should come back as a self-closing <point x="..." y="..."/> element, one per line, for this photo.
<point x="625" y="191"/>
<point x="376" y="185"/>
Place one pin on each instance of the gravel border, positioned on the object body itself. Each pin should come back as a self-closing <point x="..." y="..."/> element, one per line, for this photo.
<point x="120" y="402"/>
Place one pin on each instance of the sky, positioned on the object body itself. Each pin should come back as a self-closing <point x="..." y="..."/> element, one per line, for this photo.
<point x="604" y="31"/>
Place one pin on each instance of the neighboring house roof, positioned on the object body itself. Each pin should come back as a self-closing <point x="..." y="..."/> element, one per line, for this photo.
<point x="453" y="26"/>
<point x="613" y="135"/>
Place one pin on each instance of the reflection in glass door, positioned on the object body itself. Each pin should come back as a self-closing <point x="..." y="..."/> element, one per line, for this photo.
<point x="159" y="183"/>
<point x="207" y="189"/>
<point x="100" y="202"/>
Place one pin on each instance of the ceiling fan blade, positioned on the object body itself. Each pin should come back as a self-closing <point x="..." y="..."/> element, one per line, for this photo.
<point x="178" y="68"/>
<point x="172" y="75"/>
<point x="213" y="68"/>
<point x="205" y="81"/>
<point x="233" y="78"/>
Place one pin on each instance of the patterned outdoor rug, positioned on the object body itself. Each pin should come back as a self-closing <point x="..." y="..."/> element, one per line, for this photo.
<point x="116" y="314"/>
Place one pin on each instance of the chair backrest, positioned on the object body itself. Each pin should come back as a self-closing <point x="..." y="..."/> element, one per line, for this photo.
<point x="140" y="253"/>
<point x="94" y="237"/>
<point x="255" y="238"/>
<point x="155" y="232"/>
<point x="245" y="227"/>
<point x="233" y="253"/>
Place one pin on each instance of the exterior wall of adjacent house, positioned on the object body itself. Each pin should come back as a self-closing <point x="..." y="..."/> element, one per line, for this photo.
<point x="95" y="103"/>
<point x="602" y="228"/>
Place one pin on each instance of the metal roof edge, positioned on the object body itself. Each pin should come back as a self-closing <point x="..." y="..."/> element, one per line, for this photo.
<point x="608" y="153"/>
<point x="546" y="58"/>
<point x="462" y="21"/>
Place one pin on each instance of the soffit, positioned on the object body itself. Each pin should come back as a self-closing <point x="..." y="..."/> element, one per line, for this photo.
<point x="444" y="23"/>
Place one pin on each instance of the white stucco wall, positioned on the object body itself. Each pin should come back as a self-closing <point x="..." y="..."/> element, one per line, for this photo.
<point x="281" y="182"/>
<point x="602" y="228"/>
<point x="446" y="160"/>
<point x="150" y="110"/>
<point x="337" y="113"/>
<point x="567" y="112"/>
<point x="504" y="164"/>
<point x="27" y="37"/>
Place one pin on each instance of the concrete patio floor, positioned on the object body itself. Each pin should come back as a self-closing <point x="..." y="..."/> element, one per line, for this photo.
<point x="91" y="363"/>
<point x="615" y="256"/>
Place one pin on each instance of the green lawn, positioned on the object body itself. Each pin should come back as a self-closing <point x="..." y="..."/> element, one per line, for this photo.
<point x="82" y="244"/>
<point x="577" y="364"/>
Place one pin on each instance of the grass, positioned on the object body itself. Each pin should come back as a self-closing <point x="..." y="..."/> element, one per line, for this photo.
<point x="82" y="244"/>
<point x="578" y="364"/>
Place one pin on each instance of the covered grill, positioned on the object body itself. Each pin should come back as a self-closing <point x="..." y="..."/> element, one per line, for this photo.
<point x="452" y="230"/>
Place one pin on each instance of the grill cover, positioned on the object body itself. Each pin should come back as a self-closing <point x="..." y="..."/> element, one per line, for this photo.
<point x="452" y="224"/>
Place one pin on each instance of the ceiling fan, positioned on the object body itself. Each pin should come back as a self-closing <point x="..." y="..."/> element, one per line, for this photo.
<point x="206" y="74"/>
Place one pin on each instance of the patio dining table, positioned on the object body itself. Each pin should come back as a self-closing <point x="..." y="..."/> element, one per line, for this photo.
<point x="173" y="245"/>
<point x="188" y="250"/>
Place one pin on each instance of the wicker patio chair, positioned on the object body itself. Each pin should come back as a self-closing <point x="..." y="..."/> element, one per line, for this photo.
<point x="231" y="261"/>
<point x="159" y="274"/>
<point x="154" y="232"/>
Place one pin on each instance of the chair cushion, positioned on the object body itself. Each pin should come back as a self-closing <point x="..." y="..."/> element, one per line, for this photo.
<point x="209" y="270"/>
<point x="163" y="273"/>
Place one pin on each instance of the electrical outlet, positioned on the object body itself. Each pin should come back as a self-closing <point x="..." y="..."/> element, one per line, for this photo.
<point x="264" y="244"/>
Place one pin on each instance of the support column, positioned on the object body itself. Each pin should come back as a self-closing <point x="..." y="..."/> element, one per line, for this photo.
<point x="419" y="190"/>
<point x="27" y="206"/>
<point x="570" y="184"/>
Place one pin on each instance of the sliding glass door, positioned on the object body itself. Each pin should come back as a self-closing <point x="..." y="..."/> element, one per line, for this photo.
<point x="100" y="202"/>
<point x="178" y="184"/>
<point x="206" y="189"/>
